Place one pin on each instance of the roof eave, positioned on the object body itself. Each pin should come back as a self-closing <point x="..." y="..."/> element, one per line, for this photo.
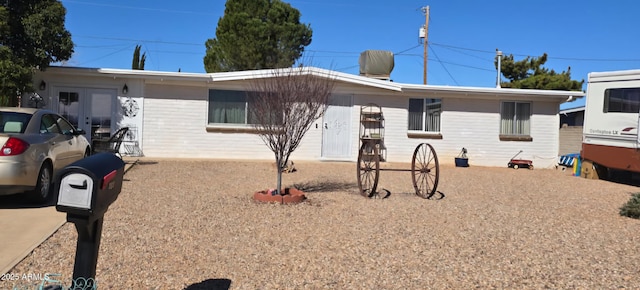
<point x="338" y="76"/>
<point x="492" y="91"/>
<point x="131" y="74"/>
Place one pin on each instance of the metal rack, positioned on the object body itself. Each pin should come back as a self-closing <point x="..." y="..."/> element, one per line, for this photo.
<point x="372" y="130"/>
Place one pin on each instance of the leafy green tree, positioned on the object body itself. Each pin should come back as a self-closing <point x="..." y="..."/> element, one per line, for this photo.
<point x="32" y="36"/>
<point x="138" y="62"/>
<point x="257" y="34"/>
<point x="529" y="74"/>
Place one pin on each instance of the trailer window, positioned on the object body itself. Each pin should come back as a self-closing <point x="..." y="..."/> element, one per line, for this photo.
<point x="622" y="100"/>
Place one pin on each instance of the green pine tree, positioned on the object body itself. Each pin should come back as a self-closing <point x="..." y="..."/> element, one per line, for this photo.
<point x="529" y="74"/>
<point x="257" y="34"/>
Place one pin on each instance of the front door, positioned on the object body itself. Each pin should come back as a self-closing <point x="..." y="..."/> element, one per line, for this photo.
<point x="336" y="128"/>
<point x="88" y="109"/>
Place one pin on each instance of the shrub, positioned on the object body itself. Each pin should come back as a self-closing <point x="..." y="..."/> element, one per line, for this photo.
<point x="632" y="207"/>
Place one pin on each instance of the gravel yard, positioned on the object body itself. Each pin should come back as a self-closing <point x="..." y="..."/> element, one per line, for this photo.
<point x="192" y="224"/>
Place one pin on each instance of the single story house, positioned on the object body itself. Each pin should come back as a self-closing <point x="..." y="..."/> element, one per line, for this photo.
<point x="176" y="114"/>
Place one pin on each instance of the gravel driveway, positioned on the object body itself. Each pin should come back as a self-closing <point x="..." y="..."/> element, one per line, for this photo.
<point x="192" y="224"/>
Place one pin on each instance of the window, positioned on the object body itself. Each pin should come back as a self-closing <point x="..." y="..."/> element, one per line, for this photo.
<point x="65" y="127"/>
<point x="13" y="122"/>
<point x="515" y="118"/>
<point x="424" y="115"/>
<point x="48" y="125"/>
<point x="234" y="112"/>
<point x="228" y="107"/>
<point x="68" y="106"/>
<point x="625" y="100"/>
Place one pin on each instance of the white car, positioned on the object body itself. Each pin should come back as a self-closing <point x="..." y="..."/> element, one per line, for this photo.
<point x="36" y="144"/>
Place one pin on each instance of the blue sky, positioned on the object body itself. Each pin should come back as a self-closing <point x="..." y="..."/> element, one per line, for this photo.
<point x="463" y="35"/>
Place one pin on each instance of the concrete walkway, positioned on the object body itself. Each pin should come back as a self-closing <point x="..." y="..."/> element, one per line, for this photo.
<point x="24" y="227"/>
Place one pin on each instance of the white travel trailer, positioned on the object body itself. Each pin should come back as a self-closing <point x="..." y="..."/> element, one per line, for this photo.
<point x="610" y="136"/>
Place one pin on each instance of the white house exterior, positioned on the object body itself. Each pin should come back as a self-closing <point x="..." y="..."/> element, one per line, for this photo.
<point x="174" y="115"/>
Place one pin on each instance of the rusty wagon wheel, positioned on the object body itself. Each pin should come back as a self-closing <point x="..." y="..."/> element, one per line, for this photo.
<point x="368" y="169"/>
<point x="425" y="170"/>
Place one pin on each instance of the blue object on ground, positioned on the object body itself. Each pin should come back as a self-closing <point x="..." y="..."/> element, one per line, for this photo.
<point x="568" y="159"/>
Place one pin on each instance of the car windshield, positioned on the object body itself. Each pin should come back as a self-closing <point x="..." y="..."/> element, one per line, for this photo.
<point x="14" y="122"/>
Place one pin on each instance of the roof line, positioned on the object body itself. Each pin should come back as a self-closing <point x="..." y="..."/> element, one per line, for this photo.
<point x="339" y="76"/>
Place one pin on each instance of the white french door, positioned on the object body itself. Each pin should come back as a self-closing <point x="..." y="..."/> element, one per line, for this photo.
<point x="88" y="109"/>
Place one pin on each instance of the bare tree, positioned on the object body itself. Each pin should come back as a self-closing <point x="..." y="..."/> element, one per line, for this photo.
<point x="284" y="105"/>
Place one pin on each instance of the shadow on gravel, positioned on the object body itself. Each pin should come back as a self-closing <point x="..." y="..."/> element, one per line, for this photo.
<point x="324" y="186"/>
<point x="211" y="284"/>
<point x="435" y="196"/>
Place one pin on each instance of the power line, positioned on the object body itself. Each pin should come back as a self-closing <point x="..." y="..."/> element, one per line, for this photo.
<point x="139" y="40"/>
<point x="451" y="63"/>
<point x="99" y="46"/>
<point x="468" y="66"/>
<point x="398" y="53"/>
<point x="590" y="59"/>
<point x="525" y="55"/>
<point x="467" y="54"/>
<point x="138" y="8"/>
<point x="332" y="51"/>
<point x="443" y="66"/>
<point x="175" y="52"/>
<point x="347" y="68"/>
<point x="401" y="53"/>
<point x="107" y="55"/>
<point x="462" y="48"/>
<point x="453" y="47"/>
<point x="309" y="2"/>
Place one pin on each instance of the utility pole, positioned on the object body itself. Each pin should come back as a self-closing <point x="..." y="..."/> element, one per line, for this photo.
<point x="425" y="10"/>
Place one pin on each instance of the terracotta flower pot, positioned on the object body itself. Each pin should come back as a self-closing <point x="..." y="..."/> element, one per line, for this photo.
<point x="291" y="195"/>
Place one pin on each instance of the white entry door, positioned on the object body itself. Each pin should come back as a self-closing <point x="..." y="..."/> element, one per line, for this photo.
<point x="88" y="109"/>
<point x="336" y="130"/>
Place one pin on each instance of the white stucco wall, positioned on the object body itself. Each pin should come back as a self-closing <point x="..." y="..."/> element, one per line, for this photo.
<point x="470" y="123"/>
<point x="175" y="122"/>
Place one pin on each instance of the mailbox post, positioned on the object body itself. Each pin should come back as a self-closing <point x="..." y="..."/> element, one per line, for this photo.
<point x="86" y="189"/>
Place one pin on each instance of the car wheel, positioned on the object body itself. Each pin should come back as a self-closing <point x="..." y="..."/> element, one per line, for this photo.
<point x="43" y="187"/>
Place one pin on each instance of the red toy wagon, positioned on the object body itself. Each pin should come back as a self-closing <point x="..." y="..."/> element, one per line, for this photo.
<point x="519" y="163"/>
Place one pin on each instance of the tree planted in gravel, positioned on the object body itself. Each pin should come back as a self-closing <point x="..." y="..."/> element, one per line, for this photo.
<point x="284" y="105"/>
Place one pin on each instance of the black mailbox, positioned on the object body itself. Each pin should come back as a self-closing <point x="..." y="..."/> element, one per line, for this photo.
<point x="89" y="186"/>
<point x="86" y="189"/>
